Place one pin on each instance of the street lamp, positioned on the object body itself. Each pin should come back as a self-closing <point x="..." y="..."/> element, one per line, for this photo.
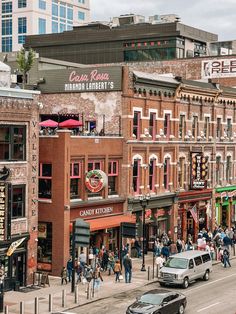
<point x="144" y="202"/>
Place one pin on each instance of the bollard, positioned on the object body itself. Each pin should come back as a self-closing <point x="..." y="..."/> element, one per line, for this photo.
<point x="148" y="273"/>
<point x="22" y="307"/>
<point x="157" y="273"/>
<point x="50" y="303"/>
<point x="88" y="291"/>
<point x="6" y="309"/>
<point x="36" y="305"/>
<point x="63" y="298"/>
<point x="76" y="294"/>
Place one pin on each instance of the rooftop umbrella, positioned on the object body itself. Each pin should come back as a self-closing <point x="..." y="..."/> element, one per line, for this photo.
<point x="49" y="123"/>
<point x="71" y="123"/>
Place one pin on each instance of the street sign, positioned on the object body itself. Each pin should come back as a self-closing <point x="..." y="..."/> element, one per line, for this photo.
<point x="128" y="230"/>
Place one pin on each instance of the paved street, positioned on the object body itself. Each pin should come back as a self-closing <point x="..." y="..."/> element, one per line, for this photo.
<point x="216" y="296"/>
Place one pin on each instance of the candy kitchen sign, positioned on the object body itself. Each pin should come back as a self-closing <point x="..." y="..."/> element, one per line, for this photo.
<point x="78" y="80"/>
<point x="218" y="68"/>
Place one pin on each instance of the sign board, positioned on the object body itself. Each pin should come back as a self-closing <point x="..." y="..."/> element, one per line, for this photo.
<point x="79" y="80"/>
<point x="198" y="171"/>
<point x="128" y="230"/>
<point x="218" y="68"/>
<point x="3" y="202"/>
<point x="95" y="180"/>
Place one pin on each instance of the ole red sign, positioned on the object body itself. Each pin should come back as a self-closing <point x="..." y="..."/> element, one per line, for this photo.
<point x="95" y="180"/>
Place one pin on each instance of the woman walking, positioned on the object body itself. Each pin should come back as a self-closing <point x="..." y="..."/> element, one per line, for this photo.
<point x="117" y="270"/>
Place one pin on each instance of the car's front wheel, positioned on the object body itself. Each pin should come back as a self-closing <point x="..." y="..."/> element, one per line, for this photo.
<point x="185" y="283"/>
<point x="206" y="276"/>
<point x="181" y="309"/>
<point x="162" y="284"/>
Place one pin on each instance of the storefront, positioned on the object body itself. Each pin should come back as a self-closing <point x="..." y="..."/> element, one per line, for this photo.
<point x="194" y="212"/>
<point x="225" y="206"/>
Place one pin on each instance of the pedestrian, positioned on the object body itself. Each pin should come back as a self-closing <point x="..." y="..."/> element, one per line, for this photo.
<point x="159" y="262"/>
<point x="63" y="275"/>
<point x="173" y="248"/>
<point x="105" y="258"/>
<point x="137" y="247"/>
<point x="79" y="272"/>
<point x="117" y="270"/>
<point x="127" y="262"/>
<point x="97" y="276"/>
<point x="179" y="245"/>
<point x="226" y="257"/>
<point x="69" y="268"/>
<point x="165" y="252"/>
<point x="82" y="259"/>
<point x="111" y="263"/>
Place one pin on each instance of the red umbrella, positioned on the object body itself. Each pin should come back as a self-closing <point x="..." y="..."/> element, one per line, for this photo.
<point x="49" y="123"/>
<point x="71" y="123"/>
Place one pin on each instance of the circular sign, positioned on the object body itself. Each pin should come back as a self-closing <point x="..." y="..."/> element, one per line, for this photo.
<point x="95" y="180"/>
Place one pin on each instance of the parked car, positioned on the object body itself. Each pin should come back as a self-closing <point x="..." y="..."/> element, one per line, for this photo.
<point x="159" y="301"/>
<point x="185" y="267"/>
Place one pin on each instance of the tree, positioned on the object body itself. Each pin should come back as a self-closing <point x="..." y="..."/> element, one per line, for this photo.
<point x="25" y="60"/>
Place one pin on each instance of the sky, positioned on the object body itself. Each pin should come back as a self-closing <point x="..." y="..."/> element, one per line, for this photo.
<point x="215" y="16"/>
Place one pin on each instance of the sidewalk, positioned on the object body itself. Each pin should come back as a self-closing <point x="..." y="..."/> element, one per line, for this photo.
<point x="108" y="288"/>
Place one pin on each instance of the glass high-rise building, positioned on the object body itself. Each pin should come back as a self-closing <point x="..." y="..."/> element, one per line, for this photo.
<point x="32" y="17"/>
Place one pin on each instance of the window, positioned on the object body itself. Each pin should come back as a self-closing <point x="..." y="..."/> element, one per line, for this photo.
<point x="206" y="258"/>
<point x="22" y="25"/>
<point x="152" y="125"/>
<point x="113" y="177"/>
<point x="167" y="125"/>
<point x="44" y="252"/>
<point x="182" y="172"/>
<point x="81" y="15"/>
<point x="182" y="128"/>
<point x="198" y="260"/>
<point x="55" y="9"/>
<point x="7" y="27"/>
<point x="81" y="1"/>
<point x="75" y="180"/>
<point x="207" y="127"/>
<point x="136" y="124"/>
<point x="22" y="4"/>
<point x="166" y="173"/>
<point x="195" y="127"/>
<point x="70" y="13"/>
<point x="6" y="44"/>
<point x="62" y="11"/>
<point x="152" y="173"/>
<point x="229" y="128"/>
<point x="218" y="128"/>
<point x="42" y="26"/>
<point x="218" y="168"/>
<point x="6" y="7"/>
<point x="45" y="180"/>
<point x="54" y="27"/>
<point x="21" y="39"/>
<point x="18" y="201"/>
<point x="42" y="4"/>
<point x="12" y="142"/>
<point x="136" y="175"/>
<point x="62" y="27"/>
<point x="191" y="265"/>
<point x="228" y="169"/>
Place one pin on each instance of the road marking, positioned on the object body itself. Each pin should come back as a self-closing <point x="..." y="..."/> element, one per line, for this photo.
<point x="207" y="307"/>
<point x="209" y="283"/>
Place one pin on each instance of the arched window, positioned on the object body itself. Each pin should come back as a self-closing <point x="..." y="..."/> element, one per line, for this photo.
<point x="136" y="175"/>
<point x="166" y="173"/>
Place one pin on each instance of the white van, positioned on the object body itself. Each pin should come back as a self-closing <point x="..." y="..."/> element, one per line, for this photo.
<point x="185" y="267"/>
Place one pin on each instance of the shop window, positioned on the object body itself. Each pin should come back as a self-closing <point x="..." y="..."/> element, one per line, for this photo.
<point x="113" y="177"/>
<point x="152" y="174"/>
<point x="44" y="242"/>
<point x="207" y="127"/>
<point x="195" y="127"/>
<point x="152" y="125"/>
<point x="136" y="176"/>
<point x="228" y="169"/>
<point x="136" y="124"/>
<point x="167" y="125"/>
<point x="18" y="201"/>
<point x="182" y="128"/>
<point x="12" y="142"/>
<point x="166" y="173"/>
<point x="229" y="128"/>
<point x="218" y="128"/>
<point x="45" y="181"/>
<point x="75" y="180"/>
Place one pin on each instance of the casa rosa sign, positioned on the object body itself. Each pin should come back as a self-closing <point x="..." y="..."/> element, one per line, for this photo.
<point x="95" y="180"/>
<point x="218" y="68"/>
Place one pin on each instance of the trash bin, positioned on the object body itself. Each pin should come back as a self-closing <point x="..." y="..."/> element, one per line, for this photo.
<point x="17" y="286"/>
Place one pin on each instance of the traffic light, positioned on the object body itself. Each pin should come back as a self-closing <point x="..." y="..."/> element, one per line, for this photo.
<point x="204" y="167"/>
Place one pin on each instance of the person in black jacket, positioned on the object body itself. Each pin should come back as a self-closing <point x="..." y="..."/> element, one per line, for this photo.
<point x="127" y="262"/>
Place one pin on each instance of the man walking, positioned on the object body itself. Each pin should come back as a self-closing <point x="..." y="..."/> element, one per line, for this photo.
<point x="69" y="267"/>
<point x="226" y="257"/>
<point x="127" y="262"/>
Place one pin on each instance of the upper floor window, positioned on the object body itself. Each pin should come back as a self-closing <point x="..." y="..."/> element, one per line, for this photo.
<point x="182" y="172"/>
<point x="7" y="27"/>
<point x="218" y="169"/>
<point x="22" y="4"/>
<point x="12" y="142"/>
<point x="75" y="180"/>
<point x="218" y="128"/>
<point x="81" y="1"/>
<point x="207" y="127"/>
<point x="136" y="124"/>
<point x="228" y="169"/>
<point x="229" y="128"/>
<point x="7" y="44"/>
<point x="21" y="39"/>
<point x="55" y="9"/>
<point x="136" y="175"/>
<point x="22" y="25"/>
<point x="152" y="174"/>
<point x="62" y="11"/>
<point x="182" y="126"/>
<point x="42" y="4"/>
<point x="167" y="125"/>
<point x="113" y="177"/>
<point x="18" y="201"/>
<point x="6" y="7"/>
<point x="70" y="13"/>
<point x="45" y="180"/>
<point x="152" y="125"/>
<point x="195" y="127"/>
<point x="42" y="26"/>
<point x="54" y="27"/>
<point x="166" y="173"/>
<point x="81" y="15"/>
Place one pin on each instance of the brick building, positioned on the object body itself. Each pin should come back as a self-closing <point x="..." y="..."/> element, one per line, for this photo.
<point x="18" y="185"/>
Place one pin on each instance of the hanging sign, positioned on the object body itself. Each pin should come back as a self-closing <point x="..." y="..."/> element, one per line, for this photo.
<point x="95" y="180"/>
<point x="198" y="171"/>
<point x="3" y="202"/>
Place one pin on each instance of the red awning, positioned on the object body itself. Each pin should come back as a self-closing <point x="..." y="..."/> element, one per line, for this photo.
<point x="109" y="222"/>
